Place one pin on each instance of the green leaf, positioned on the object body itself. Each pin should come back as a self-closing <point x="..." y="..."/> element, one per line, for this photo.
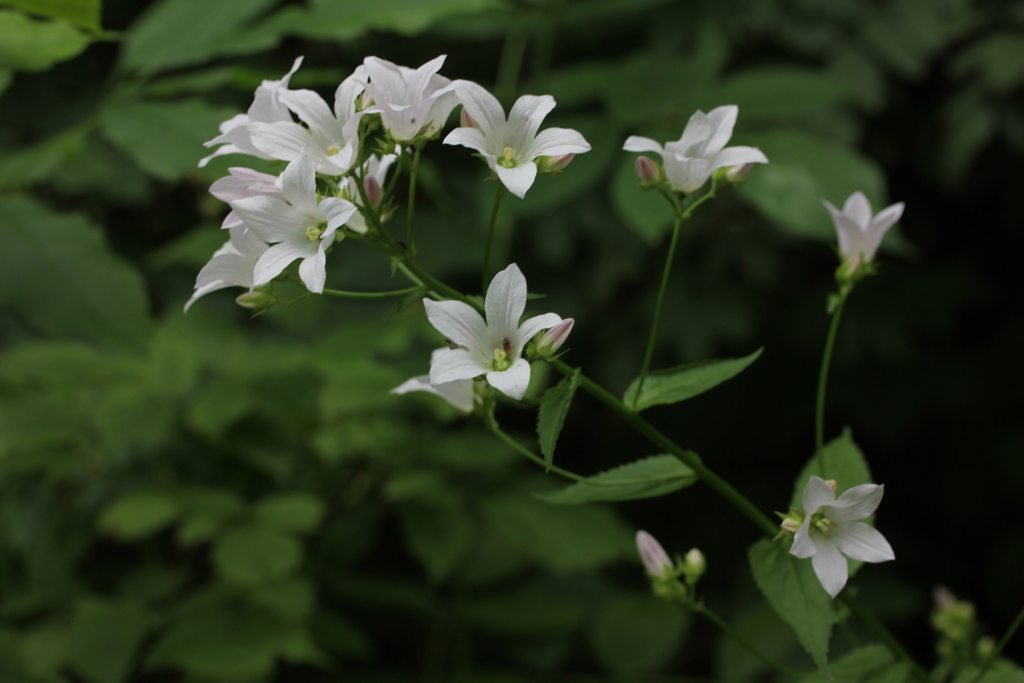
<point x="897" y="672"/>
<point x="998" y="59"/>
<point x="164" y="139"/>
<point x="297" y="512"/>
<point x="842" y="461"/>
<point x="635" y="635"/>
<point x="97" y="294"/>
<point x="783" y="92"/>
<point x="138" y="514"/>
<point x="438" y="532"/>
<point x="176" y="33"/>
<point x="40" y="162"/>
<point x="794" y="592"/>
<point x="84" y="13"/>
<point x="1002" y="671"/>
<point x="551" y="415"/>
<point x="645" y="211"/>
<point x="105" y="636"/>
<point x="204" y="512"/>
<point x="30" y="45"/>
<point x="663" y="387"/>
<point x="255" y="554"/>
<point x="657" y="475"/>
<point x="858" y="665"/>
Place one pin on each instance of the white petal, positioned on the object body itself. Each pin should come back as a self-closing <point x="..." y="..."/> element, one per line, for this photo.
<point x="686" y="174"/>
<point x="852" y="240"/>
<point x="525" y="118"/>
<point x="312" y="109"/>
<point x="206" y="289"/>
<point x="831" y="568"/>
<point x="482" y="106"/>
<point x="313" y="271"/>
<point x="298" y="183"/>
<point x="531" y="327"/>
<point x="270" y="218"/>
<point x="348" y="92"/>
<point x="557" y="141"/>
<point x="816" y="494"/>
<point x="803" y="546"/>
<point x="858" y="208"/>
<point x="736" y="156"/>
<point x="455" y="364"/>
<point x="694" y="138"/>
<point x="283" y="140"/>
<point x="386" y="81"/>
<point x="862" y="542"/>
<point x="879" y="226"/>
<point x="276" y="259"/>
<point x="519" y="179"/>
<point x="858" y="502"/>
<point x="232" y="220"/>
<point x="337" y="211"/>
<point x="460" y="323"/>
<point x="416" y="84"/>
<point x="512" y="382"/>
<point x="505" y="302"/>
<point x="248" y="244"/>
<point x="467" y="137"/>
<point x="635" y="143"/>
<point x="458" y="393"/>
<point x="722" y="119"/>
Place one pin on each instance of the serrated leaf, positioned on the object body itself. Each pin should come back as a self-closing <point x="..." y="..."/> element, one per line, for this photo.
<point x="551" y="415"/>
<point x="138" y="514"/>
<point x="794" y="592"/>
<point x="30" y="45"/>
<point x="842" y="461"/>
<point x="657" y="475"/>
<point x="84" y="13"/>
<point x="859" y="665"/>
<point x="672" y="385"/>
<point x="255" y="554"/>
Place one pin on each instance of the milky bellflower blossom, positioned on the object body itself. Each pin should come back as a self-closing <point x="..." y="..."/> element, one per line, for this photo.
<point x="459" y="393"/>
<point x="232" y="265"/>
<point x="700" y="151"/>
<point x="301" y="227"/>
<point x="830" y="530"/>
<point x="413" y="103"/>
<point x="266" y="107"/>
<point x="511" y="147"/>
<point x="493" y="347"/>
<point x="242" y="183"/>
<point x="860" y="234"/>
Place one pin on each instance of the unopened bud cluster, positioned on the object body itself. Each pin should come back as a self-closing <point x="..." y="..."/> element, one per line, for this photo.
<point x="665" y="574"/>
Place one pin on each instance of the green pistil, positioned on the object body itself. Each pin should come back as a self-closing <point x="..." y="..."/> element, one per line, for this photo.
<point x="501" y="360"/>
<point x="313" y="232"/>
<point x="332" y="150"/>
<point x="820" y="524"/>
<point x="508" y="158"/>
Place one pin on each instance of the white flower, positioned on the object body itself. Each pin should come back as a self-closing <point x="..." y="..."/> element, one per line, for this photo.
<point x="266" y="108"/>
<point x="412" y="102"/>
<point x="859" y="233"/>
<point x="331" y="140"/>
<point x="301" y="227"/>
<point x="232" y="265"/>
<point x="492" y="348"/>
<point x="830" y="530"/>
<point x="375" y="168"/>
<point x="458" y="393"/>
<point x="690" y="160"/>
<point x="654" y="557"/>
<point x="243" y="182"/>
<point x="510" y="147"/>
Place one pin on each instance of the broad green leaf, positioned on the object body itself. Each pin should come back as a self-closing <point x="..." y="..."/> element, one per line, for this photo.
<point x="84" y="13"/>
<point x="138" y="514"/>
<point x="30" y="45"/>
<point x="657" y="475"/>
<point x="255" y="554"/>
<point x="554" y="407"/>
<point x="39" y="162"/>
<point x="794" y="592"/>
<point x="635" y="635"/>
<point x="175" y="33"/>
<point x="297" y="512"/>
<point x="1002" y="671"/>
<point x="645" y="211"/>
<point x="997" y="59"/>
<point x="783" y="92"/>
<point x="165" y="139"/>
<point x="97" y="295"/>
<point x="840" y="460"/>
<point x="663" y="387"/>
<point x="859" y="666"/>
<point x="438" y="532"/>
<point x="105" y="636"/>
<point x="897" y="672"/>
<point x="204" y="512"/>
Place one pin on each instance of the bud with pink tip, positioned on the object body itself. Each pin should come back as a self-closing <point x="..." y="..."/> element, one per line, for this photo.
<point x="466" y="121"/>
<point x="647" y="170"/>
<point x="549" y="341"/>
<point x="371" y="186"/>
<point x="655" y="559"/>
<point x="790" y="525"/>
<point x="553" y="165"/>
<point x="832" y="484"/>
<point x="738" y="173"/>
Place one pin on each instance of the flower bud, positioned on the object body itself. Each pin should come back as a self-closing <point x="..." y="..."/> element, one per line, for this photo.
<point x="647" y="170"/>
<point x="466" y="121"/>
<point x="553" y="165"/>
<point x="551" y="340"/>
<point x="694" y="565"/>
<point x="257" y="299"/>
<point x="372" y="189"/>
<point x="655" y="559"/>
<point x="790" y="525"/>
<point x="738" y="173"/>
<point x="832" y="484"/>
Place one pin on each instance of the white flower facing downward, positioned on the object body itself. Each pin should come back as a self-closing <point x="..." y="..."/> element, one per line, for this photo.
<point x="459" y="393"/>
<point x="232" y="265"/>
<point x="860" y="234"/>
<point x="701" y="150"/>
<point x="493" y="347"/>
<point x="412" y="102"/>
<point x="830" y="530"/>
<point x="511" y="147"/>
<point x="242" y="183"/>
<point x="301" y="227"/>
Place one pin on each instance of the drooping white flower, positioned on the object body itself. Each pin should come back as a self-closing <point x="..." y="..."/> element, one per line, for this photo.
<point x="266" y="107"/>
<point x="330" y="138"/>
<point x="375" y="170"/>
<point x="830" y="530"/>
<point x="232" y="265"/>
<point x="701" y="150"/>
<point x="493" y="347"/>
<point x="459" y="393"/>
<point x="241" y="183"/>
<point x="412" y="102"/>
<point x="511" y="147"/>
<point x="301" y="227"/>
<point x="860" y="234"/>
<point x="656" y="560"/>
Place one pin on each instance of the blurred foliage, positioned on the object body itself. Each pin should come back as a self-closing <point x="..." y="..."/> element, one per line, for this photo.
<point x="209" y="498"/>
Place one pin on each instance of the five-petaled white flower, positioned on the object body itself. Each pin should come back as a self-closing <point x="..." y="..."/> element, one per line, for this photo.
<point x="412" y="102"/>
<point x="492" y="348"/>
<point x="510" y="147"/>
<point x="830" y="530"/>
<point x="859" y="232"/>
<point x="459" y="393"/>
<point x="301" y="227"/>
<point x="690" y="160"/>
<point x="232" y="265"/>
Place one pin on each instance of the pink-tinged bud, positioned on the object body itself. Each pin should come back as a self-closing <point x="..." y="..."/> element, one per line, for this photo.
<point x="655" y="559"/>
<point x="373" y="191"/>
<point x="790" y="525"/>
<point x="553" y="165"/>
<point x="552" y="340"/>
<point x="738" y="172"/>
<point x="560" y="162"/>
<point x="465" y="120"/>
<point x="944" y="598"/>
<point x="832" y="484"/>
<point x="647" y="170"/>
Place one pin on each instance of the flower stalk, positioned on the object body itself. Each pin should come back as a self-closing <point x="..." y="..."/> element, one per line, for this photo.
<point x="836" y="304"/>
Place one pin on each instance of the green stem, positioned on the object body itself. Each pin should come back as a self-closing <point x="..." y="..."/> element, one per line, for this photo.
<point x="883" y="633"/>
<point x="999" y="648"/>
<point x="745" y="644"/>
<point x="826" y="360"/>
<point x="409" y="236"/>
<point x="485" y="276"/>
<point x="373" y="295"/>
<point x="411" y="269"/>
<point x="493" y="426"/>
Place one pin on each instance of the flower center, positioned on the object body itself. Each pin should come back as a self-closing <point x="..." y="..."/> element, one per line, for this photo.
<point x="313" y="232"/>
<point x="820" y="524"/>
<point x="332" y="150"/>
<point x="508" y="158"/>
<point x="503" y="356"/>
